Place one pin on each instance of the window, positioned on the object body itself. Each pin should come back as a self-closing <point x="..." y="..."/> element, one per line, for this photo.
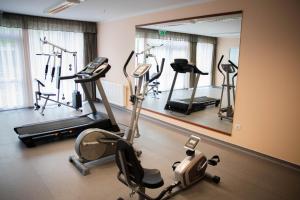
<point x="13" y="75"/>
<point x="204" y="62"/>
<point x="234" y="55"/>
<point x="170" y="50"/>
<point x="18" y="70"/>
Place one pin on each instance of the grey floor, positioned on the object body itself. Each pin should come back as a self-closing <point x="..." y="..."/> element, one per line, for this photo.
<point x="44" y="172"/>
<point x="207" y="117"/>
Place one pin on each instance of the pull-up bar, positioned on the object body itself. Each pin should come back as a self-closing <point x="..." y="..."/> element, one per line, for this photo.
<point x="45" y="41"/>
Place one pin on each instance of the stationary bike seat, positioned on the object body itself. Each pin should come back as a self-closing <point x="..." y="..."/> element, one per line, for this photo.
<point x="152" y="178"/>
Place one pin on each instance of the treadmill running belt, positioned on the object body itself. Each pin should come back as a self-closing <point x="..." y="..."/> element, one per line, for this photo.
<point x="54" y="125"/>
<point x="203" y="99"/>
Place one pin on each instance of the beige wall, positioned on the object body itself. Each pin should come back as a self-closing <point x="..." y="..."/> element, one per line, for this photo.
<point x="223" y="48"/>
<point x="268" y="83"/>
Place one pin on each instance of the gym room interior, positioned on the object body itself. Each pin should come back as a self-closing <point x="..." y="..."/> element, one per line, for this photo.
<point x="137" y="99"/>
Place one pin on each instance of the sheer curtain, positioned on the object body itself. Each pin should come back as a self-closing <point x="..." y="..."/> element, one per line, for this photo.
<point x="19" y="66"/>
<point x="68" y="40"/>
<point x="204" y="60"/>
<point x="234" y="55"/>
<point x="14" y="78"/>
<point x="170" y="50"/>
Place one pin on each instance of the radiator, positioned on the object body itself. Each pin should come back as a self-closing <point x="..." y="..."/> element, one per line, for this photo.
<point x="115" y="92"/>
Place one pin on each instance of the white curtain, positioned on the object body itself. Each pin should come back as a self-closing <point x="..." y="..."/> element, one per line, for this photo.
<point x="15" y="89"/>
<point x="170" y="50"/>
<point x="204" y="62"/>
<point x="68" y="40"/>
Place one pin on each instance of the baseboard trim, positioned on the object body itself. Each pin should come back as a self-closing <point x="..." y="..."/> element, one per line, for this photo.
<point x="189" y="122"/>
<point x="11" y="109"/>
<point x="222" y="143"/>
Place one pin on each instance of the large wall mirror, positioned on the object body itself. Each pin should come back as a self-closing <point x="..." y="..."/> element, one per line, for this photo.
<point x="198" y="81"/>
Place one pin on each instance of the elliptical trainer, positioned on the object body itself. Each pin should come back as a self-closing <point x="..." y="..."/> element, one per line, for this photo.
<point x="95" y="144"/>
<point x="227" y="70"/>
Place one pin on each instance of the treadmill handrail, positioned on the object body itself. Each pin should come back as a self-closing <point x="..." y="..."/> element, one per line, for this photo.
<point x="67" y="77"/>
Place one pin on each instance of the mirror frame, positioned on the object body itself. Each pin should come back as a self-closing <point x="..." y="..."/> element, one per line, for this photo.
<point x="189" y="18"/>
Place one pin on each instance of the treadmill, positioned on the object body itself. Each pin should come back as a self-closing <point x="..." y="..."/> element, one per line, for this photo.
<point x="64" y="128"/>
<point x="192" y="104"/>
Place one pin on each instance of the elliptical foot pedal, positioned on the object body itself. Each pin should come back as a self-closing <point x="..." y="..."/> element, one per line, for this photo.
<point x="216" y="179"/>
<point x="214" y="160"/>
<point x="217" y="102"/>
<point x="79" y="165"/>
<point x="138" y="153"/>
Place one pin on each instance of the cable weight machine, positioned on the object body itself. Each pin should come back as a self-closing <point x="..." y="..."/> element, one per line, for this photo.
<point x="57" y="54"/>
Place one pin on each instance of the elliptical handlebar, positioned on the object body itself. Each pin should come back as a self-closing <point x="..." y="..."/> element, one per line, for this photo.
<point x="125" y="72"/>
<point x="219" y="64"/>
<point x="236" y="73"/>
<point x="234" y="65"/>
<point x="126" y="63"/>
<point x="157" y="75"/>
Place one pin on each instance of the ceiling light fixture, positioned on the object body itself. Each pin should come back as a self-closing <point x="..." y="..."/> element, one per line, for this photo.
<point x="64" y="5"/>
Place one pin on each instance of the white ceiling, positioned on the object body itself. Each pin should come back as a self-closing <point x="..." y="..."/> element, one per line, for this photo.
<point x="221" y="26"/>
<point x="94" y="10"/>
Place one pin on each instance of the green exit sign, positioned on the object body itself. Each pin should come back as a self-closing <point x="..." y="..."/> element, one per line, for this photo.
<point x="162" y="32"/>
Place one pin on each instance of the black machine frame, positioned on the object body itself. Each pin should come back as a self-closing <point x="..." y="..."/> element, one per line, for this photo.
<point x="182" y="66"/>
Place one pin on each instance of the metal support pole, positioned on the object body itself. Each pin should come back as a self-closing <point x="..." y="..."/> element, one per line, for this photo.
<point x="193" y="93"/>
<point x="106" y="103"/>
<point x="89" y="99"/>
<point x="172" y="88"/>
<point x="228" y="89"/>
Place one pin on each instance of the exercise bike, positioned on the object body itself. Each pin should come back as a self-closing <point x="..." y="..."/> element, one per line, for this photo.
<point x="97" y="144"/>
<point x="186" y="173"/>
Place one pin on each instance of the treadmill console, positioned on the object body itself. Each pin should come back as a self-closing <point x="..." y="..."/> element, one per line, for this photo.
<point x="141" y="70"/>
<point x="192" y="142"/>
<point x="93" y="71"/>
<point x="94" y="65"/>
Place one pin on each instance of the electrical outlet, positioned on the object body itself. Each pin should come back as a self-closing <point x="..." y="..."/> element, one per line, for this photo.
<point x="238" y="126"/>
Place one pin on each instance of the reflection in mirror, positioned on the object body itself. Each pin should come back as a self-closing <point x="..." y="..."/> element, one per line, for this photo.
<point x="198" y="80"/>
